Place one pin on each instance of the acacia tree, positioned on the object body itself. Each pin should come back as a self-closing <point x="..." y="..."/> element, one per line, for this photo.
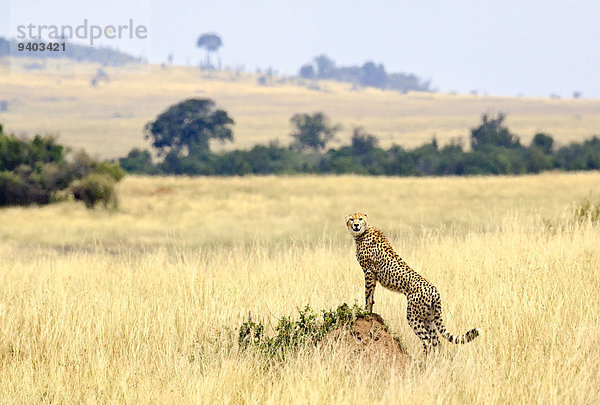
<point x="312" y="131"/>
<point x="186" y="128"/>
<point x="210" y="42"/>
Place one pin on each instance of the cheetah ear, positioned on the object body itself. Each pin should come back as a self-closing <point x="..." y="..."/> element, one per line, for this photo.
<point x="346" y="218"/>
<point x="366" y="216"/>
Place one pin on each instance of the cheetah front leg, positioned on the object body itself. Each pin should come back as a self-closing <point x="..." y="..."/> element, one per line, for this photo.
<point x="370" y="282"/>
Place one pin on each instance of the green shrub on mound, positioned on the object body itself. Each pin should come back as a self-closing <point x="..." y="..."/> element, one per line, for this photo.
<point x="292" y="334"/>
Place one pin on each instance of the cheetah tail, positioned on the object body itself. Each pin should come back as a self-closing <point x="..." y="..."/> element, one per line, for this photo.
<point x="460" y="339"/>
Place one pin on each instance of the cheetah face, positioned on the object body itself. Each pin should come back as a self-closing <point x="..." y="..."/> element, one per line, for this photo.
<point x="356" y="223"/>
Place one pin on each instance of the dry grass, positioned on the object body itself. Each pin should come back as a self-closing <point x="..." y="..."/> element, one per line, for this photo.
<point x="142" y="304"/>
<point x="108" y="119"/>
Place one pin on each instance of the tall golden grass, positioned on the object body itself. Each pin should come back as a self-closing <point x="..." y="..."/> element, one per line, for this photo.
<point x="108" y="119"/>
<point x="143" y="304"/>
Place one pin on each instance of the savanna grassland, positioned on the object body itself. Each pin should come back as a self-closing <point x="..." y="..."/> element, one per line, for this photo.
<point x="142" y="304"/>
<point x="108" y="119"/>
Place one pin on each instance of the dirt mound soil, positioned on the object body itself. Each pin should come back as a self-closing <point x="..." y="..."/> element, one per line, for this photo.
<point x="369" y="337"/>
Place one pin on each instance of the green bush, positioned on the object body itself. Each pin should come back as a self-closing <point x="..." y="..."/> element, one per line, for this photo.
<point x="38" y="171"/>
<point x="95" y="188"/>
<point x="292" y="334"/>
<point x="111" y="169"/>
<point x="39" y="150"/>
<point x="81" y="165"/>
<point x="14" y="190"/>
<point x="54" y="176"/>
<point x="580" y="156"/>
<point x="538" y="161"/>
<point x="138" y="161"/>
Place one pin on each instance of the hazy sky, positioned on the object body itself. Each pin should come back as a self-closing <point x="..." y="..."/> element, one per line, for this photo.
<point x="505" y="48"/>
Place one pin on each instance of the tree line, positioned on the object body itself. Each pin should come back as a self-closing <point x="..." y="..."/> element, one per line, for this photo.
<point x="369" y="74"/>
<point x="181" y="138"/>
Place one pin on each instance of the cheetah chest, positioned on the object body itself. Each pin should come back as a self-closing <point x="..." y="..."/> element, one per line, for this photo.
<point x="386" y="268"/>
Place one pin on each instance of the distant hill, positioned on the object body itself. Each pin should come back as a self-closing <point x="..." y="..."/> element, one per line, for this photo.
<point x="80" y="53"/>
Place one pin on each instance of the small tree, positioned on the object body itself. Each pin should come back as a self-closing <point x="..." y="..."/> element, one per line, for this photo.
<point x="187" y="127"/>
<point x="493" y="132"/>
<point x="362" y="141"/>
<point x="313" y="131"/>
<point x="543" y="142"/>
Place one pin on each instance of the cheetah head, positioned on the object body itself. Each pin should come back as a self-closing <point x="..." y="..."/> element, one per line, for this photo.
<point x="356" y="223"/>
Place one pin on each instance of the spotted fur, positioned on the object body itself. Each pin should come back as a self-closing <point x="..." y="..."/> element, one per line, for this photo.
<point x="381" y="264"/>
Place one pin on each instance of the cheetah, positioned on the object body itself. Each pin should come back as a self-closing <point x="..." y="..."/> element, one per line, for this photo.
<point x="381" y="264"/>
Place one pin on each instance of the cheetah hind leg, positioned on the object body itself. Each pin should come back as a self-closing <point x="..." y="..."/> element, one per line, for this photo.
<point x="433" y="335"/>
<point x="422" y="332"/>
